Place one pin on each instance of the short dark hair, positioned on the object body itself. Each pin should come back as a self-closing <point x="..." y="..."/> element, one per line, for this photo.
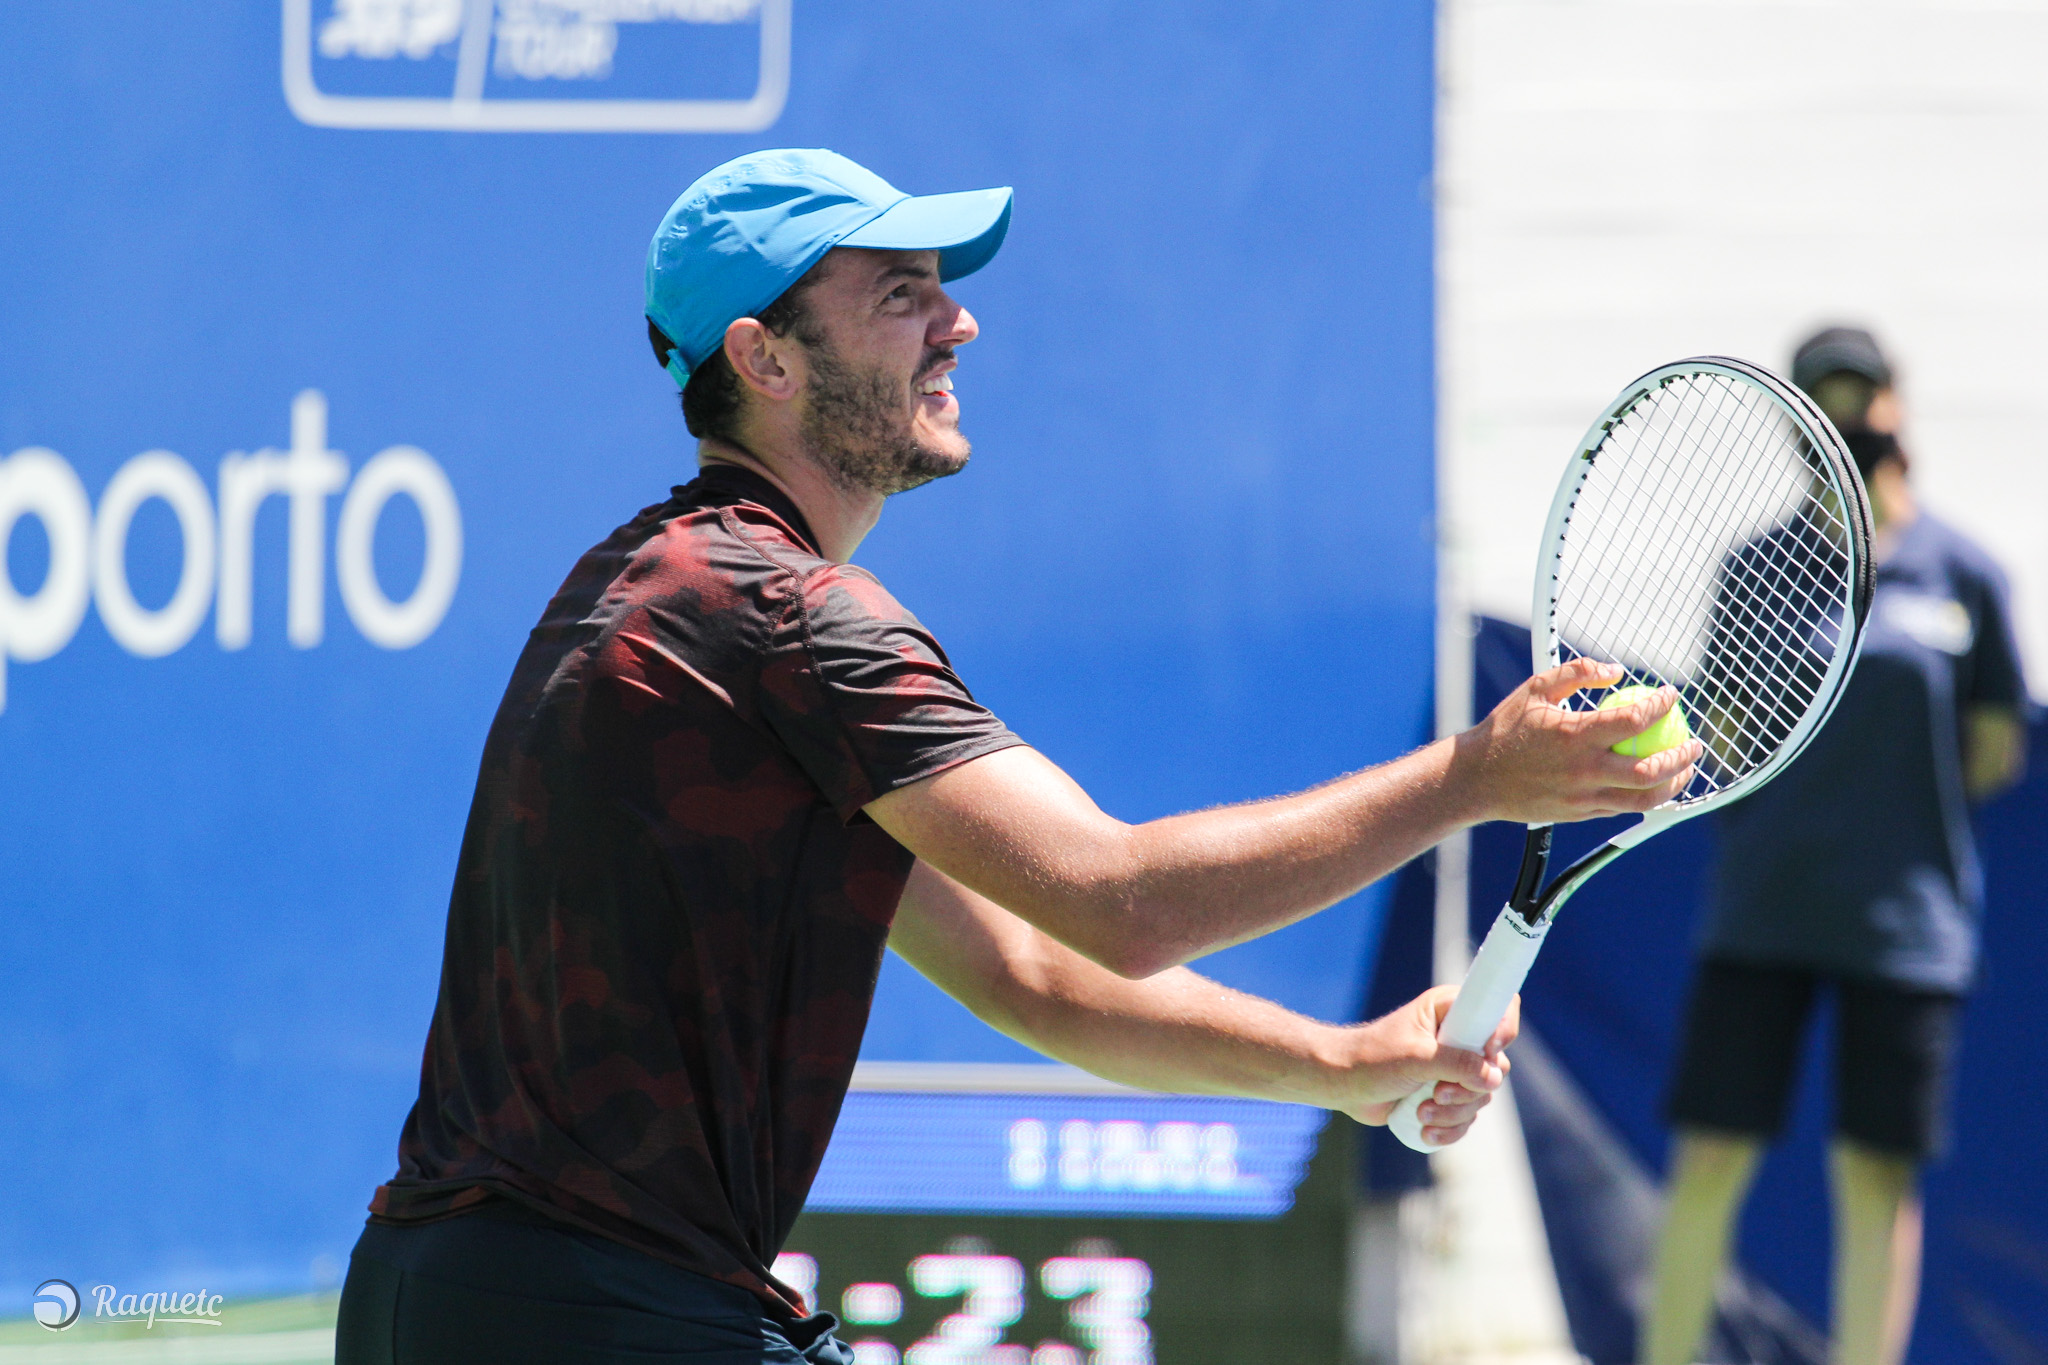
<point x="713" y="397"/>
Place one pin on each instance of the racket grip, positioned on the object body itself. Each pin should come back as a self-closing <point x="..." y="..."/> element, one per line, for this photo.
<point x="1497" y="972"/>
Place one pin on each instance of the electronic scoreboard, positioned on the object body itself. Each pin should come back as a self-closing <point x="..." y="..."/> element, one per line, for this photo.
<point x="1032" y="1215"/>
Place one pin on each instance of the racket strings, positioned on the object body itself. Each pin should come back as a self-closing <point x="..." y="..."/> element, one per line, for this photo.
<point x="1748" y="641"/>
<point x="1744" y="658"/>
<point x="1648" y="532"/>
<point x="1748" y="644"/>
<point x="1612" y="603"/>
<point x="1707" y="548"/>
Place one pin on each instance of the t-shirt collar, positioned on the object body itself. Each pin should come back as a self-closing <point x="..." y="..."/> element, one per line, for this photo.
<point x="754" y="488"/>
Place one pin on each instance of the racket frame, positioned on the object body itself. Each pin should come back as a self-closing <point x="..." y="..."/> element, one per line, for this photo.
<point x="1546" y="651"/>
<point x="1504" y="959"/>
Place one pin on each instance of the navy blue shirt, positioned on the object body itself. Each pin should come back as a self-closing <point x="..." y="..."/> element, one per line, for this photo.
<point x="1859" y="859"/>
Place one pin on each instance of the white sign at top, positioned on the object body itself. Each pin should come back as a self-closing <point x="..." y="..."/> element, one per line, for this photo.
<point x="534" y="66"/>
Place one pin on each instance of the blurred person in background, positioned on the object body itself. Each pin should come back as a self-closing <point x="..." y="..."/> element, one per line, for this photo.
<point x="1854" y="873"/>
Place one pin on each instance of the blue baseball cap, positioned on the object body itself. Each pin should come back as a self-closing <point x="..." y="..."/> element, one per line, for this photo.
<point x="746" y="231"/>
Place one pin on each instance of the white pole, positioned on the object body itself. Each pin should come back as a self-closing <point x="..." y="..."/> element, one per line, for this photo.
<point x="1476" y="1237"/>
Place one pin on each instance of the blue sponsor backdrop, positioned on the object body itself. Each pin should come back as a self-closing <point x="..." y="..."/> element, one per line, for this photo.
<point x="397" y="371"/>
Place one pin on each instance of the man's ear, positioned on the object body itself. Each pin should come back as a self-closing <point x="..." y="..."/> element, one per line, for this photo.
<point x="766" y="363"/>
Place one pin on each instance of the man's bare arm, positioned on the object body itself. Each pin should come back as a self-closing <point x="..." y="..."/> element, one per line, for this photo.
<point x="1140" y="898"/>
<point x="1179" y="1032"/>
<point x="1994" y="750"/>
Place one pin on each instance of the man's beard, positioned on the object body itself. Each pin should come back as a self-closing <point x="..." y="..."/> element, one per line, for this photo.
<point x="854" y="423"/>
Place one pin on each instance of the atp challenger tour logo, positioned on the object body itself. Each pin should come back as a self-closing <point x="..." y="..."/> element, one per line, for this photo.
<point x="538" y="66"/>
<point x="88" y="550"/>
<point x="57" y="1306"/>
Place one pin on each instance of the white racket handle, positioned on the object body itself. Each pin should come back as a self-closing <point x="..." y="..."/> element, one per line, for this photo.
<point x="1497" y="973"/>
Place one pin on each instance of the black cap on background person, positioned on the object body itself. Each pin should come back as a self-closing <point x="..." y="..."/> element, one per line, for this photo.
<point x="1840" y="350"/>
<point x="1845" y="371"/>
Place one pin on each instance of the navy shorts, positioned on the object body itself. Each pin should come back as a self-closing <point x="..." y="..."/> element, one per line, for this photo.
<point x="1894" y="1055"/>
<point x="502" y="1286"/>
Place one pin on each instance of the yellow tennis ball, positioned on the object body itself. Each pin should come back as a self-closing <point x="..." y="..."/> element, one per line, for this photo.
<point x="1669" y="731"/>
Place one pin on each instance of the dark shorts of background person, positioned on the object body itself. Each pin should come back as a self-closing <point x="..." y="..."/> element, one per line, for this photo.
<point x="509" y="1286"/>
<point x="1894" y="1054"/>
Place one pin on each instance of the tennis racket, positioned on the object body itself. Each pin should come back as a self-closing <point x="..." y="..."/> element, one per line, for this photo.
<point x="1710" y="533"/>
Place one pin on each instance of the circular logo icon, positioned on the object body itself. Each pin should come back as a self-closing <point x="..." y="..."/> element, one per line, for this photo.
<point x="56" y="1304"/>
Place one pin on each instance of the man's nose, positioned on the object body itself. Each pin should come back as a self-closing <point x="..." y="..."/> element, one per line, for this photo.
<point x="957" y="326"/>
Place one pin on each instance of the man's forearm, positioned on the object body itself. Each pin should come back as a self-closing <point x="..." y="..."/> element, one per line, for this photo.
<point x="1213" y="878"/>
<point x="1175" y="1032"/>
<point x="1140" y="899"/>
<point x="1994" y="750"/>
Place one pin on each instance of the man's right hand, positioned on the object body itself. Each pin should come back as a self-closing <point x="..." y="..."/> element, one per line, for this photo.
<point x="1535" y="763"/>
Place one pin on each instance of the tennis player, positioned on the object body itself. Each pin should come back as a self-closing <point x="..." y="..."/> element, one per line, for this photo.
<point x="730" y="767"/>
<point x="1853" y="874"/>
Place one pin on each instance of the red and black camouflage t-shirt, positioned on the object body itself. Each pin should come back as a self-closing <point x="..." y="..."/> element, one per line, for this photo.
<point x="669" y="912"/>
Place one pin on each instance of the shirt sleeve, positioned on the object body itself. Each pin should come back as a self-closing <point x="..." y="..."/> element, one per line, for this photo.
<point x="864" y="698"/>
<point x="1996" y="678"/>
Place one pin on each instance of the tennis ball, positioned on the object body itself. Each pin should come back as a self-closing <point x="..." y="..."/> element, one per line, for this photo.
<point x="1669" y="731"/>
